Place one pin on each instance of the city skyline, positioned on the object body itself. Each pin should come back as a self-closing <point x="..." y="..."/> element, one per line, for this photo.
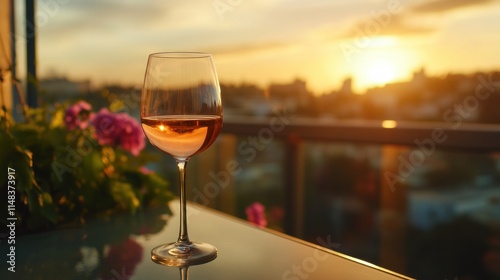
<point x="264" y="42"/>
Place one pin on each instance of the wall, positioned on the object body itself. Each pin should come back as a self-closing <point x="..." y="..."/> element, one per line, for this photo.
<point x="5" y="55"/>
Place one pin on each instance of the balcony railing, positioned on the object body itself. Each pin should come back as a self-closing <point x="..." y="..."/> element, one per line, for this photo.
<point x="376" y="187"/>
<point x="457" y="134"/>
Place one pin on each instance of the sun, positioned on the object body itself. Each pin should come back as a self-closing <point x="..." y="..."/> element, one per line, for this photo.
<point x="379" y="73"/>
<point x="376" y="71"/>
<point x="385" y="61"/>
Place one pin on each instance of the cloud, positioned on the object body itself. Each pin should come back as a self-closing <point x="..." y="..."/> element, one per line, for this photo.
<point x="420" y="19"/>
<point x="447" y="5"/>
<point x="248" y="48"/>
<point x="396" y="25"/>
<point x="99" y="17"/>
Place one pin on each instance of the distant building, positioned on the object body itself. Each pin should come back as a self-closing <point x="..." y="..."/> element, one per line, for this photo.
<point x="421" y="98"/>
<point x="420" y="80"/>
<point x="341" y="104"/>
<point x="346" y="87"/>
<point x="386" y="97"/>
<point x="245" y="99"/>
<point x="62" y="87"/>
<point x="291" y="96"/>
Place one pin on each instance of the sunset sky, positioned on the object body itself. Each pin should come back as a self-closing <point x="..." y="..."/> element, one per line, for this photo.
<point x="265" y="41"/>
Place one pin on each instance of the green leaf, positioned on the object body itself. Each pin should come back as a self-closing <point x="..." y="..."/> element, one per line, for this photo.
<point x="27" y="134"/>
<point x="57" y="136"/>
<point x="92" y="166"/>
<point x="7" y="148"/>
<point x="18" y="159"/>
<point x="57" y="118"/>
<point x="158" y="193"/>
<point x="40" y="203"/>
<point x="124" y="195"/>
<point x="47" y="208"/>
<point x="38" y="115"/>
<point x="33" y="205"/>
<point x="21" y="162"/>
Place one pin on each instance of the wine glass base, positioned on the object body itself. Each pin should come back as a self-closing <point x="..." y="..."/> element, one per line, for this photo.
<point x="177" y="254"/>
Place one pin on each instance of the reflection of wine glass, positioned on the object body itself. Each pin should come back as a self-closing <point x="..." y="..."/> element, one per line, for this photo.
<point x="183" y="270"/>
<point x="181" y="114"/>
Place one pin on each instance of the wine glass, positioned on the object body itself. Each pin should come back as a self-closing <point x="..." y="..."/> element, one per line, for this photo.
<point x="181" y="114"/>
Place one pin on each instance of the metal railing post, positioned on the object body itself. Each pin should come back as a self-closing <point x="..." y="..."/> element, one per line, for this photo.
<point x="32" y="81"/>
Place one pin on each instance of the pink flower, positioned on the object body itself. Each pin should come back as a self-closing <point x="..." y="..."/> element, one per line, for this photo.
<point x="119" y="129"/>
<point x="131" y="136"/>
<point x="256" y="214"/>
<point x="146" y="171"/>
<point x="107" y="127"/>
<point x="122" y="258"/>
<point x="78" y="115"/>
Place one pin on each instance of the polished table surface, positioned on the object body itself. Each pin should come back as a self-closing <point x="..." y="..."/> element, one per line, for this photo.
<point x="119" y="248"/>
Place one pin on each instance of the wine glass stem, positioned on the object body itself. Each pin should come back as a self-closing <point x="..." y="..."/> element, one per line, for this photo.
<point x="183" y="232"/>
<point x="184" y="272"/>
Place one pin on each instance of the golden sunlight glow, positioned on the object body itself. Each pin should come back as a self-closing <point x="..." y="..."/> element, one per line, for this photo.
<point x="378" y="69"/>
<point x="380" y="73"/>
<point x="389" y="124"/>
<point x="385" y="60"/>
<point x="161" y="127"/>
<point x="383" y="41"/>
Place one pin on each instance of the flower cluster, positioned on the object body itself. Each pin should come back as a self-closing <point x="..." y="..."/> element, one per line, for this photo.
<point x="78" y="115"/>
<point x="76" y="163"/>
<point x="256" y="214"/>
<point x="114" y="129"/>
